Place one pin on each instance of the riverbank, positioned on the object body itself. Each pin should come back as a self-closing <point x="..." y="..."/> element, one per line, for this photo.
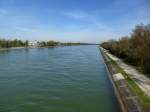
<point x="12" y="48"/>
<point x="31" y="47"/>
<point x="15" y="48"/>
<point x="140" y="79"/>
<point x="123" y="86"/>
<point x="138" y="83"/>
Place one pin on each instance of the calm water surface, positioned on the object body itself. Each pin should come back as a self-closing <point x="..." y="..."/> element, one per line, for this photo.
<point x="62" y="79"/>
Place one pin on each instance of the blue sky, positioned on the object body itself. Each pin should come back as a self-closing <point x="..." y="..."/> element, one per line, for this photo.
<point x="71" y="20"/>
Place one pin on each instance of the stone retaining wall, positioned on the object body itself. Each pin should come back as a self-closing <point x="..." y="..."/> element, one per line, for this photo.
<point x="126" y="97"/>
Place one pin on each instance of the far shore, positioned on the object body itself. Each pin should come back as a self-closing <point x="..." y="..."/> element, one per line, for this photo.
<point x="11" y="48"/>
<point x="31" y="47"/>
<point x="14" y="48"/>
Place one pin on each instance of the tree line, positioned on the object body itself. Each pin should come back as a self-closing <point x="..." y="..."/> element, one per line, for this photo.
<point x="56" y="43"/>
<point x="12" y="43"/>
<point x="48" y="43"/>
<point x="19" y="43"/>
<point x="134" y="49"/>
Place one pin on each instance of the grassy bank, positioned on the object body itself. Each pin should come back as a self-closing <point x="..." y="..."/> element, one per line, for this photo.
<point x="144" y="99"/>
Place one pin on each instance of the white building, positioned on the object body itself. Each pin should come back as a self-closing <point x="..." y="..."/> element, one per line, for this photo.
<point x="33" y="43"/>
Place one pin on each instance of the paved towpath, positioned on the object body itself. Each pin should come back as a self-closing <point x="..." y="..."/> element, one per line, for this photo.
<point x="140" y="79"/>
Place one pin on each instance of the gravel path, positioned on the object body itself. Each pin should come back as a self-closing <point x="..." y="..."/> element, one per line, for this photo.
<point x="140" y="79"/>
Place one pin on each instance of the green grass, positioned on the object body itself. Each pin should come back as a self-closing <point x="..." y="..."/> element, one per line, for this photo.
<point x="144" y="99"/>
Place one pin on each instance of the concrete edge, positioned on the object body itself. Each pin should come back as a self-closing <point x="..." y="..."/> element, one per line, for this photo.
<point x="120" y="100"/>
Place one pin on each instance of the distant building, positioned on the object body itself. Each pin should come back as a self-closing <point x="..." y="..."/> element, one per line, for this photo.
<point x="34" y="43"/>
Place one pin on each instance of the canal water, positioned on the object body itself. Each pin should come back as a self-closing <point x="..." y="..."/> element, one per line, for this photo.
<point x="61" y="79"/>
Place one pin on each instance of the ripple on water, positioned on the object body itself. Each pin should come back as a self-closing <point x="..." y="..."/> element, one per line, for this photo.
<point x="63" y="79"/>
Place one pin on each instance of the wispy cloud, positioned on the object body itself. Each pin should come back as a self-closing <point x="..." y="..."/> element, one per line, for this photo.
<point x="79" y="15"/>
<point x="74" y="20"/>
<point x="24" y="29"/>
<point x="93" y="27"/>
<point x="3" y="11"/>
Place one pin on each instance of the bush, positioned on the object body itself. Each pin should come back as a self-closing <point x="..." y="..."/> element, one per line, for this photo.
<point x="134" y="49"/>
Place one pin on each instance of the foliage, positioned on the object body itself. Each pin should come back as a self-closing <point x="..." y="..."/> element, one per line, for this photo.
<point x="134" y="49"/>
<point x="12" y="43"/>
<point x="70" y="43"/>
<point x="48" y="43"/>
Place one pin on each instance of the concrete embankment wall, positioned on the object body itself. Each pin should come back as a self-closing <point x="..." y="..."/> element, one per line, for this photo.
<point x="127" y="99"/>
